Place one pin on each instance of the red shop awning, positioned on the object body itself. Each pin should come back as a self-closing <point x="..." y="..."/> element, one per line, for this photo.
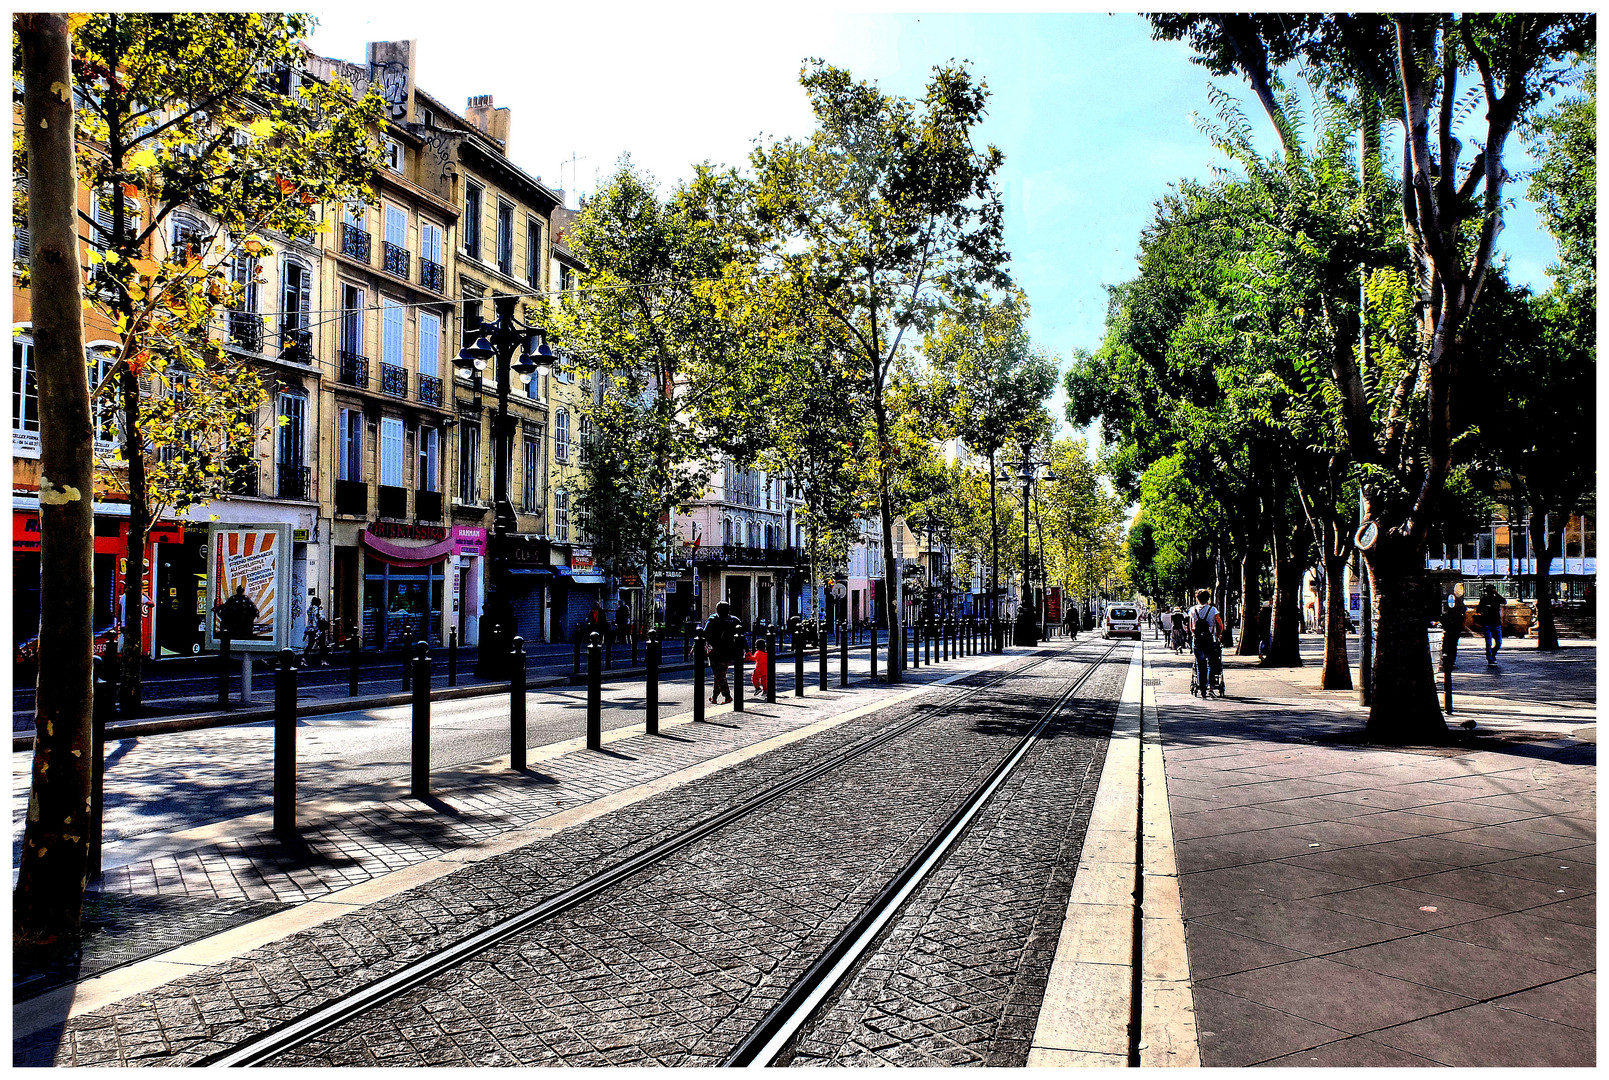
<point x="397" y="555"/>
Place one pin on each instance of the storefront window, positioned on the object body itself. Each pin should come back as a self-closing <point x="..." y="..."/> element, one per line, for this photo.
<point x="401" y="605"/>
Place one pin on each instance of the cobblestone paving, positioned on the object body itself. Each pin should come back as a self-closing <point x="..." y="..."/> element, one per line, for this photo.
<point x="189" y="1019"/>
<point x="958" y="978"/>
<point x="676" y="967"/>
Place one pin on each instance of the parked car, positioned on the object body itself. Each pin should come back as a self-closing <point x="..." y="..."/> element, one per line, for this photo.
<point x="1123" y="621"/>
<point x="105" y="638"/>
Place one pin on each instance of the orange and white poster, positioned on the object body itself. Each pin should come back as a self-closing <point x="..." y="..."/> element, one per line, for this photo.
<point x="250" y="563"/>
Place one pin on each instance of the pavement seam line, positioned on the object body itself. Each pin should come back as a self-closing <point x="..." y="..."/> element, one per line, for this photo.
<point x="1167" y="1011"/>
<point x="1084" y="1017"/>
<point x="67" y="1002"/>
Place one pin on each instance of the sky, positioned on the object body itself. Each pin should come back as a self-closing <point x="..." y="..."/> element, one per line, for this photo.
<point x="1094" y="118"/>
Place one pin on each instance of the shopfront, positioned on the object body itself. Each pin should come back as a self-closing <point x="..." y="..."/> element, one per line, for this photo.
<point x="404" y="584"/>
<point x="110" y="543"/>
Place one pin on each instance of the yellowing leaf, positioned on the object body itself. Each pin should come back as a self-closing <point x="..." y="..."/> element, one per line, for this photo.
<point x="142" y="159"/>
<point x="261" y="127"/>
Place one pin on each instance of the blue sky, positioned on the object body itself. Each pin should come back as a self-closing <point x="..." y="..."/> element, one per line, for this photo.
<point x="1094" y="118"/>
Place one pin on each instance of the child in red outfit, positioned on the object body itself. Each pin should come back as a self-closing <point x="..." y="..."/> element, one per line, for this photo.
<point x="757" y="661"/>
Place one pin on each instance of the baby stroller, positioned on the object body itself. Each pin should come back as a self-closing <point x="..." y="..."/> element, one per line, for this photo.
<point x="1215" y="674"/>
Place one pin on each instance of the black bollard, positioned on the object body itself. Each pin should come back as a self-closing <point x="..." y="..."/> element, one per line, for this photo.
<point x="843" y="655"/>
<point x="285" y="745"/>
<point x="737" y="672"/>
<point x="578" y="650"/>
<point x="594" y="692"/>
<point x="105" y="693"/>
<point x="771" y="643"/>
<point x="407" y="671"/>
<point x="698" y="676"/>
<point x="821" y="647"/>
<point x="452" y="656"/>
<point x="927" y="640"/>
<point x="223" y="670"/>
<point x="355" y="644"/>
<point x="798" y="665"/>
<point x="633" y="650"/>
<point x="651" y="661"/>
<point x="421" y="721"/>
<point x="873" y="655"/>
<point x="516" y="705"/>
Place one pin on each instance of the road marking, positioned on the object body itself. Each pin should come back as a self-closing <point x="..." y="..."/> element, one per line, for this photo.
<point x="55" y="1006"/>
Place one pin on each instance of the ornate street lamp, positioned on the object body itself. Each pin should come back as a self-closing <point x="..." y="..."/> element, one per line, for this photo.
<point x="499" y="341"/>
<point x="1028" y="470"/>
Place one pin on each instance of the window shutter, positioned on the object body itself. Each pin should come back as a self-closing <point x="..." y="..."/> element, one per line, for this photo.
<point x="391" y="452"/>
<point x="429" y="344"/>
<point x="396" y="227"/>
<point x="391" y="332"/>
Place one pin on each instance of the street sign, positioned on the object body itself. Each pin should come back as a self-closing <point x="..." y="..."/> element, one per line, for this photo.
<point x="839" y="590"/>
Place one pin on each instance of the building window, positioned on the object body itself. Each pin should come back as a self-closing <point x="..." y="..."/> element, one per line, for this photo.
<point x="24" y="386"/>
<point x="469" y="462"/>
<point x="293" y="432"/>
<point x="586" y="440"/>
<point x="505" y="238"/>
<point x="472" y="295"/>
<point x="561" y="516"/>
<point x="393" y="155"/>
<point x="429" y="344"/>
<point x="350" y="463"/>
<point x="533" y="252"/>
<point x="352" y="320"/>
<point x="391" y="331"/>
<point x="188" y="238"/>
<point x="528" y="494"/>
<point x="429" y="459"/>
<point x="430" y="242"/>
<point x="296" y="301"/>
<point x="471" y="222"/>
<point x="561" y="436"/>
<point x="102" y="359"/>
<point x="390" y="451"/>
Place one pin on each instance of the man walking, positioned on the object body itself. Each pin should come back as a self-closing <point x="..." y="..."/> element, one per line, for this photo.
<point x="1489" y="614"/>
<point x="720" y="636"/>
<point x="1206" y="628"/>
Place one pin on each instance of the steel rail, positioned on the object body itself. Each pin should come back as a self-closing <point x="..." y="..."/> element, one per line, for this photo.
<point x="261" y="1048"/>
<point x="776" y="1030"/>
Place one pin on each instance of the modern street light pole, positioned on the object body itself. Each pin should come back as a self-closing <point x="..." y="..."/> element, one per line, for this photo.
<point x="499" y="340"/>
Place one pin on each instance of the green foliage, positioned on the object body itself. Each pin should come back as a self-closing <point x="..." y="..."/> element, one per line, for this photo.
<point x="993" y="380"/>
<point x="1565" y="184"/>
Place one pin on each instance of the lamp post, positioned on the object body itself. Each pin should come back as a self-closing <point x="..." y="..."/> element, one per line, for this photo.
<point x="1027" y="629"/>
<point x="498" y="341"/>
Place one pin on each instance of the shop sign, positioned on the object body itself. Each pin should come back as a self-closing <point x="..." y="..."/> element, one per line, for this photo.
<point x="520" y="550"/>
<point x="630" y="581"/>
<point x="469" y="540"/>
<point x="581" y="559"/>
<point x="25" y="534"/>
<point x="301" y="536"/>
<point x="401" y="530"/>
<point x="257" y="558"/>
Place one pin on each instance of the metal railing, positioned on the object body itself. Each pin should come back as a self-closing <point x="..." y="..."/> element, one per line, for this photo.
<point x="393" y="380"/>
<point x="743" y="555"/>
<point x="295" y="343"/>
<point x="246" y="330"/>
<point x="396" y="259"/>
<point x="295" y="482"/>
<point x="429" y="389"/>
<point x="432" y="276"/>
<point x="354" y="369"/>
<point x="354" y="242"/>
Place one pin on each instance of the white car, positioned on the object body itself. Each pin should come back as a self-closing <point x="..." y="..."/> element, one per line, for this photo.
<point x="1123" y="621"/>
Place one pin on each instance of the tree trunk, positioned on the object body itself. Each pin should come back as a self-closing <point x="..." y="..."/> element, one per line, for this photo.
<point x="1251" y="600"/>
<point x="1545" y="549"/>
<point x="1285" y="644"/>
<point x="1405" y="708"/>
<point x="1221" y="563"/>
<point x="55" y="845"/>
<point x="891" y="586"/>
<point x="994" y="539"/>
<point x="1337" y="674"/>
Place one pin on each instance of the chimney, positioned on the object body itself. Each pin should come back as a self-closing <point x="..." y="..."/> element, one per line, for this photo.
<point x="489" y="120"/>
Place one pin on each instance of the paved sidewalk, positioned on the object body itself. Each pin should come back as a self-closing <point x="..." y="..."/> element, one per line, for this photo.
<point x="1354" y="905"/>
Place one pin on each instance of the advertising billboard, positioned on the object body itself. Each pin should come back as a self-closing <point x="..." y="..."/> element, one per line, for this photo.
<point x="253" y="563"/>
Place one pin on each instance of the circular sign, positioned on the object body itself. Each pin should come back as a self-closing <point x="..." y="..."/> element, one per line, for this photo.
<point x="1367" y="535"/>
<point x="839" y="590"/>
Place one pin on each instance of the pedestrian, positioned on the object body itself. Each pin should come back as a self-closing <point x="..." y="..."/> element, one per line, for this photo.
<point x="720" y="641"/>
<point x="1181" y="632"/>
<point x="598" y="623"/>
<point x="1489" y="617"/>
<point x="1206" y="630"/>
<point x="1164" y="625"/>
<point x="1452" y="618"/>
<point x="317" y="634"/>
<point x="622" y="624"/>
<point x="757" y="659"/>
<point x="238" y="615"/>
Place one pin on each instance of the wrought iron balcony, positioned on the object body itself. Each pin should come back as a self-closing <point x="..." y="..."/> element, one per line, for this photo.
<point x="393" y="502"/>
<point x="354" y="242"/>
<point x="246" y="330"/>
<point x="429" y="389"/>
<point x="743" y="555"/>
<point x="427" y="505"/>
<point x="295" y="482"/>
<point x="394" y="380"/>
<point x="354" y="369"/>
<point x="396" y="259"/>
<point x="432" y="276"/>
<point x="295" y="343"/>
<point x="352" y="497"/>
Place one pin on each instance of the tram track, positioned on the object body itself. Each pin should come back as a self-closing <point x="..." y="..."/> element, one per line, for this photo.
<point x="266" y="1047"/>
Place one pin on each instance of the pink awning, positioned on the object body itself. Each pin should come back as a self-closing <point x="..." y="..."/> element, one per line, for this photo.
<point x="397" y="555"/>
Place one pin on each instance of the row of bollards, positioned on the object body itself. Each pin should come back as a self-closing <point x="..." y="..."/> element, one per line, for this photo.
<point x="930" y="642"/>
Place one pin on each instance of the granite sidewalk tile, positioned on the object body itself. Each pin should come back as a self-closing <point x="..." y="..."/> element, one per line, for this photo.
<point x="1349" y="905"/>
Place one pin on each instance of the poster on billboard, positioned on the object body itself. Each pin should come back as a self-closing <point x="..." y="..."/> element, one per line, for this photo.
<point x="249" y="583"/>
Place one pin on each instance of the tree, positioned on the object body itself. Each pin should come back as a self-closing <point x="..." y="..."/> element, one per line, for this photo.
<point x="867" y="223"/>
<point x="996" y="383"/>
<point x="1085" y="520"/>
<point x="654" y="319"/>
<point x="1411" y="69"/>
<point x="55" y="841"/>
<point x="182" y="110"/>
<point x="1565" y="184"/>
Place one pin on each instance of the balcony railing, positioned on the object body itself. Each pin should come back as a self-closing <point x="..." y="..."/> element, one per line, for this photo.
<point x="393" y="502"/>
<point x="742" y="555"/>
<point x="352" y="497"/>
<point x="394" y="380"/>
<point x="427" y="505"/>
<point x="295" y="343"/>
<point x="429" y="389"/>
<point x="246" y="330"/>
<point x="295" y="482"/>
<point x="242" y="479"/>
<point x="354" y="369"/>
<point x="354" y="242"/>
<point x="432" y="276"/>
<point x="396" y="259"/>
